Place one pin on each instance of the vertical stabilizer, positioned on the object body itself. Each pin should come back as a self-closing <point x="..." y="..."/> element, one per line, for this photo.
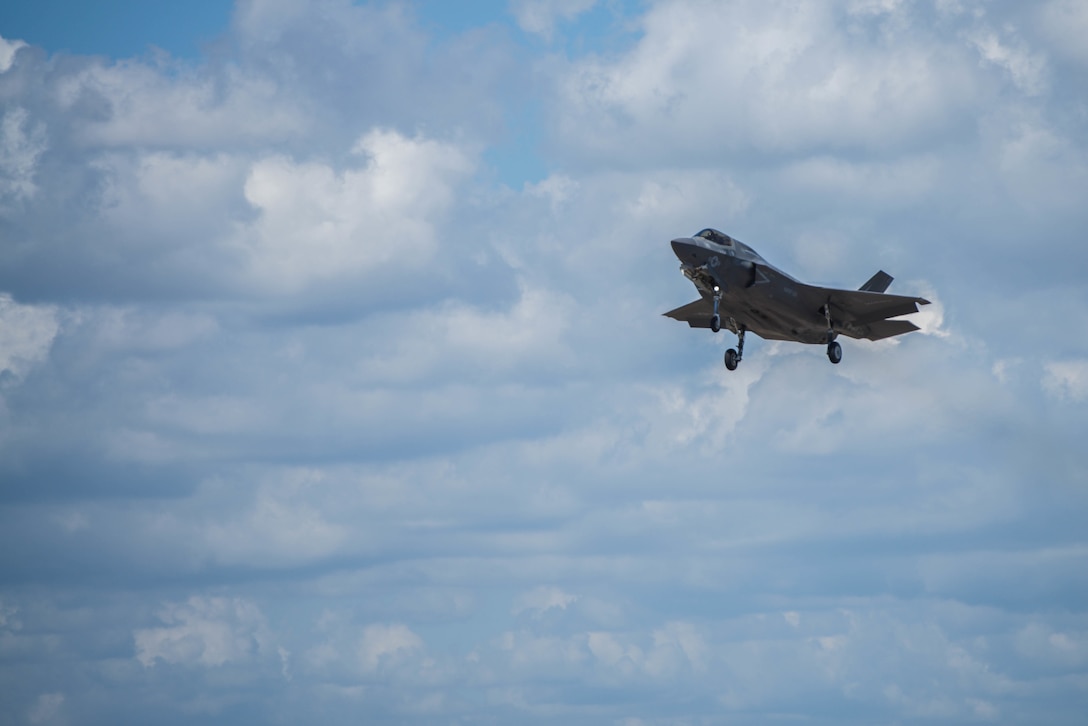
<point x="877" y="283"/>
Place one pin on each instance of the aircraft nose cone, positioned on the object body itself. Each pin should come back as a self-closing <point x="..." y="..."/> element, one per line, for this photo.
<point x="688" y="251"/>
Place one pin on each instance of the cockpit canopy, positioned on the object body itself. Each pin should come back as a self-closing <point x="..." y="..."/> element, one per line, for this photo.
<point x="720" y="238"/>
<point x="716" y="237"/>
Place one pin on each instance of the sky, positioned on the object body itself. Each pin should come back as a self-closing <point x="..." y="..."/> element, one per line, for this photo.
<point x="335" y="386"/>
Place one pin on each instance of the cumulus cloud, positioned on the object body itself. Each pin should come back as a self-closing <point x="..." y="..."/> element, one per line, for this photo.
<point x="540" y="16"/>
<point x="314" y="223"/>
<point x="543" y="598"/>
<point x="417" y="445"/>
<point x="205" y="632"/>
<point x="384" y="643"/>
<point x="784" y="79"/>
<point x="1027" y="69"/>
<point x="20" y="146"/>
<point x="8" y="49"/>
<point x="144" y="106"/>
<point x="1066" y="379"/>
<point x="49" y="709"/>
<point x="1065" y="22"/>
<point x="26" y="334"/>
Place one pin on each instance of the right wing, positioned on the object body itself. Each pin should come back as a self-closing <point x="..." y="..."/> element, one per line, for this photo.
<point x="697" y="314"/>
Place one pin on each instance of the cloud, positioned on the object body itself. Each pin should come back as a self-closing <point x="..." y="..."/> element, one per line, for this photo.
<point x="305" y="412"/>
<point x="786" y="80"/>
<point x="20" y="149"/>
<point x="141" y="105"/>
<point x="384" y="643"/>
<point x="539" y="17"/>
<point x="8" y="51"/>
<point x="1067" y="379"/>
<point x="1065" y="22"/>
<point x="541" y="599"/>
<point x="314" y="224"/>
<point x="1028" y="70"/>
<point x="48" y="709"/>
<point x="26" y="334"/>
<point x="205" y="632"/>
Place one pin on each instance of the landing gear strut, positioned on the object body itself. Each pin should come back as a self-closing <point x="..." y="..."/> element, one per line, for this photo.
<point x="834" y="350"/>
<point x="732" y="357"/>
<point x="716" y="320"/>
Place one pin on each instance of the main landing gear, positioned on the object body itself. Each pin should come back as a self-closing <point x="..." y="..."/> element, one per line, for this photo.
<point x="732" y="357"/>
<point x="834" y="350"/>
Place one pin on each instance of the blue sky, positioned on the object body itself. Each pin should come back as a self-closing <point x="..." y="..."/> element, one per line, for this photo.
<point x="117" y="28"/>
<point x="334" y="383"/>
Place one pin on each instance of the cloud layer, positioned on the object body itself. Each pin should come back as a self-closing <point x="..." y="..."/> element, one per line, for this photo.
<point x="304" y="413"/>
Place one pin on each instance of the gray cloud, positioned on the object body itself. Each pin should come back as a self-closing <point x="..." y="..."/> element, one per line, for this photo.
<point x="303" y="414"/>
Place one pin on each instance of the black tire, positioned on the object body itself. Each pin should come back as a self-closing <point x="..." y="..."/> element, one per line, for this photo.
<point x="834" y="352"/>
<point x="716" y="323"/>
<point x="731" y="359"/>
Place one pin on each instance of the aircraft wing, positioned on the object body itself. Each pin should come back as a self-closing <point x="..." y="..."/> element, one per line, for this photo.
<point x="698" y="314"/>
<point x="864" y="314"/>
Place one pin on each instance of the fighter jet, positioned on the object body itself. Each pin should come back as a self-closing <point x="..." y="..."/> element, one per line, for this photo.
<point x="743" y="292"/>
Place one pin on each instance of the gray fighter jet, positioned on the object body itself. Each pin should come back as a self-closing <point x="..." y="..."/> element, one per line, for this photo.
<point x="744" y="293"/>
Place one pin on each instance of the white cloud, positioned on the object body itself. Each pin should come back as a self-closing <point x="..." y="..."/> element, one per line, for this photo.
<point x="26" y="334"/>
<point x="543" y="598"/>
<point x="48" y="709"/>
<point x="781" y="77"/>
<point x="1065" y="23"/>
<point x="205" y="631"/>
<point x="316" y="223"/>
<point x="1028" y="70"/>
<point x="930" y="318"/>
<point x="278" y="527"/>
<point x="606" y="648"/>
<point x="540" y="16"/>
<point x="382" y="644"/>
<point x="382" y="488"/>
<point x="180" y="110"/>
<point x="1066" y="379"/>
<point x="902" y="183"/>
<point x="21" y="143"/>
<point x="8" y="49"/>
<point x="1041" y="643"/>
<point x="675" y="639"/>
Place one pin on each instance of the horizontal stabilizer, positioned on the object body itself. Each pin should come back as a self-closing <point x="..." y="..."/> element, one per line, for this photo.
<point x="877" y="283"/>
<point x="887" y="328"/>
<point x="893" y="306"/>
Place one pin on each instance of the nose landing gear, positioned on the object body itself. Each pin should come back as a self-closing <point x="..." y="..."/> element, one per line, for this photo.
<point x="716" y="320"/>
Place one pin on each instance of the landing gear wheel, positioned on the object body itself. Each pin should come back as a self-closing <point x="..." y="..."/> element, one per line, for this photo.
<point x="731" y="359"/>
<point x="716" y="323"/>
<point x="834" y="352"/>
